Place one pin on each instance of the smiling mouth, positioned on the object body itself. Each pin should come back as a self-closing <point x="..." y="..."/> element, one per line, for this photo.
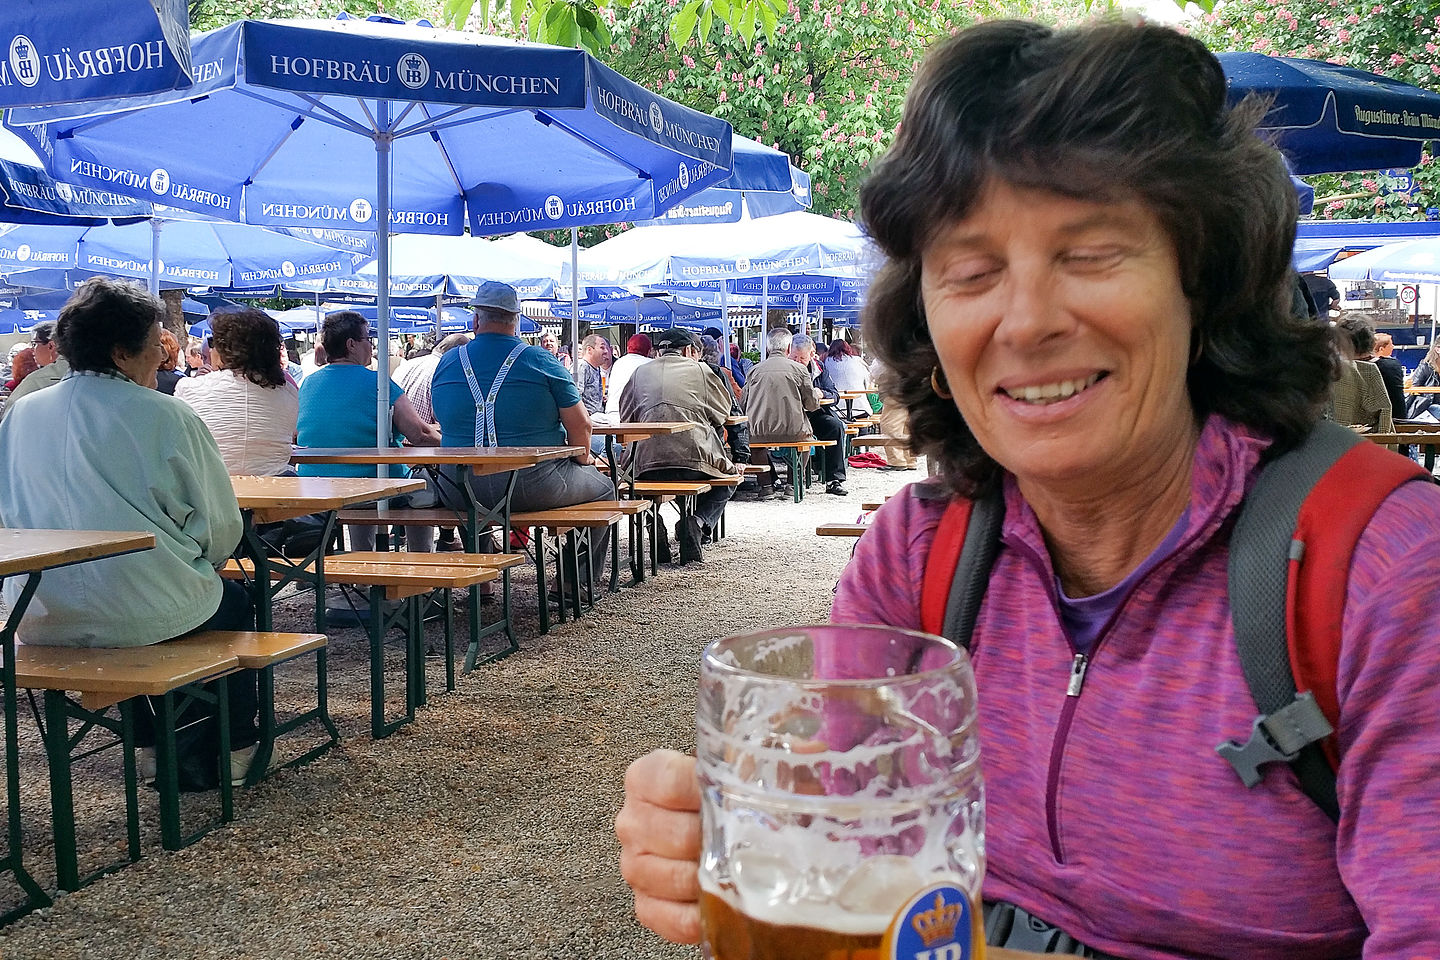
<point x="1042" y="394"/>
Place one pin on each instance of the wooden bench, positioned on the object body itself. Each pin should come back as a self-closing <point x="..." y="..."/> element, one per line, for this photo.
<point x="399" y="583"/>
<point x="572" y="524"/>
<point x="263" y="651"/>
<point x="877" y="440"/>
<point x="840" y="529"/>
<point x="792" y="449"/>
<point x="172" y="673"/>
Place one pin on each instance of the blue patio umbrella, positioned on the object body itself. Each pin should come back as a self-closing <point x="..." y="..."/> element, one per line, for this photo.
<point x="66" y="51"/>
<point x="763" y="182"/>
<point x="13" y="321"/>
<point x="427" y="266"/>
<point x="31" y="195"/>
<point x="1328" y="118"/>
<point x="643" y="311"/>
<point x="399" y="127"/>
<point x="1412" y="261"/>
<point x="190" y="253"/>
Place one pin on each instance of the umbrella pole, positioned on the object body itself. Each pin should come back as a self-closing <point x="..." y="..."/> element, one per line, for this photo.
<point x="575" y="304"/>
<point x="439" y="317"/>
<point x="764" y="317"/>
<point x="805" y="314"/>
<point x="155" y="226"/>
<point x="382" y="274"/>
<point x="725" y="325"/>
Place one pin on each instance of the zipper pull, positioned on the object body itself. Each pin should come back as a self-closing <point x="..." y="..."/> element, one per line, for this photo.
<point x="1077" y="675"/>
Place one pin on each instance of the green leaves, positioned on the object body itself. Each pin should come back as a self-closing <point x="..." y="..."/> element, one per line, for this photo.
<point x="683" y="22"/>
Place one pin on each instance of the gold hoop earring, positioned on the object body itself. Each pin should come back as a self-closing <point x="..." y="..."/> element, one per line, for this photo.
<point x="937" y="377"/>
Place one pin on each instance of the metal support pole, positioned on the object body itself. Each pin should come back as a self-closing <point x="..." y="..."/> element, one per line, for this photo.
<point x="382" y="272"/>
<point x="156" y="225"/>
<point x="575" y="304"/>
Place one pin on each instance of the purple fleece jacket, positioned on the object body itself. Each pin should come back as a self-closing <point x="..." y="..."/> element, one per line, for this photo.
<point x="1148" y="846"/>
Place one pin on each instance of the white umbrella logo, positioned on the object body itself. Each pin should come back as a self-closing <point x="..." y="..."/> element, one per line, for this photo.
<point x="742" y="265"/>
<point x="657" y="118"/>
<point x="554" y="207"/>
<point x="24" y="61"/>
<point x="22" y="252"/>
<point x="360" y="210"/>
<point x="413" y="70"/>
<point x="160" y="181"/>
<point x="684" y="176"/>
<point x="65" y="192"/>
<point x="287" y="268"/>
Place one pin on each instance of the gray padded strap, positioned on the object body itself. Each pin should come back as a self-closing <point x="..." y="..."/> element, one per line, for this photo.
<point x="972" y="573"/>
<point x="1260" y="550"/>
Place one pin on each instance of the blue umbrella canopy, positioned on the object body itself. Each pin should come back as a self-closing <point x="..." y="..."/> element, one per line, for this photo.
<point x="790" y="243"/>
<point x="430" y="266"/>
<point x="66" y="51"/>
<point x="191" y="253"/>
<point x="1413" y="261"/>
<point x="762" y="182"/>
<point x="645" y="311"/>
<point x="302" y="123"/>
<point x="1328" y="118"/>
<point x="31" y="195"/>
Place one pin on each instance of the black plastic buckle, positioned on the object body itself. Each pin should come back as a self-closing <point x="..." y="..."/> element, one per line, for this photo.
<point x="1277" y="738"/>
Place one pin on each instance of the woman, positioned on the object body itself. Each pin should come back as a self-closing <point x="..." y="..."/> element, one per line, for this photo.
<point x="1358" y="397"/>
<point x="168" y="376"/>
<point x="1084" y="307"/>
<point x="248" y="404"/>
<point x="23" y="366"/>
<point x="1427" y="374"/>
<point x="842" y="361"/>
<point x="119" y="455"/>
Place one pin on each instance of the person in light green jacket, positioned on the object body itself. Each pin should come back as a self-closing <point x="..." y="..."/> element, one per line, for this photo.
<point x="104" y="450"/>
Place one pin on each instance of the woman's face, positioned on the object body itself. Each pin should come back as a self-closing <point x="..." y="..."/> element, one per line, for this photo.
<point x="1064" y="334"/>
<point x="142" y="367"/>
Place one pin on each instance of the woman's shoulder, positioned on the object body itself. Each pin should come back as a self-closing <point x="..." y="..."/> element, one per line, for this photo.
<point x="881" y="583"/>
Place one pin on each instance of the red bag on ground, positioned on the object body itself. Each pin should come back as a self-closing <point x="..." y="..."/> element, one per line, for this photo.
<point x="867" y="459"/>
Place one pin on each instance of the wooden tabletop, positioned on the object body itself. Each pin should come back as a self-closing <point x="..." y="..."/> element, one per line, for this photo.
<point x="640" y="430"/>
<point x="1422" y="389"/>
<point x="26" y="551"/>
<point x="852" y="394"/>
<point x="281" y="498"/>
<point x="481" y="460"/>
<point x="736" y="420"/>
<point x="1429" y="439"/>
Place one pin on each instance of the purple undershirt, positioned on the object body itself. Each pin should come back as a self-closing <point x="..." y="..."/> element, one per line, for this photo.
<point x="1085" y="618"/>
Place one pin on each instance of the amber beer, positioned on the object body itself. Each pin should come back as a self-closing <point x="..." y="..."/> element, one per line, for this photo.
<point x="731" y="935"/>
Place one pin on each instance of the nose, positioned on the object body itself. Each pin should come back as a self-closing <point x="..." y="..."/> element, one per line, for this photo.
<point x="1034" y="312"/>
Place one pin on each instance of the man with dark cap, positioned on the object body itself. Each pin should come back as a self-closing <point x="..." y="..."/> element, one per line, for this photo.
<point x="675" y="385"/>
<point x="53" y="367"/>
<point x="498" y="391"/>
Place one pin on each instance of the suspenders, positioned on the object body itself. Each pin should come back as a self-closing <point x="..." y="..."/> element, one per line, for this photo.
<point x="485" y="403"/>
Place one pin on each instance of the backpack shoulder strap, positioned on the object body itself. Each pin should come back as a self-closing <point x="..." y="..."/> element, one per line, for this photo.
<point x="1289" y="564"/>
<point x="957" y="570"/>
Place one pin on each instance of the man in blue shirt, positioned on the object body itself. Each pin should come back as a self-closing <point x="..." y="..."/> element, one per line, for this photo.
<point x="497" y="391"/>
<point x="338" y="409"/>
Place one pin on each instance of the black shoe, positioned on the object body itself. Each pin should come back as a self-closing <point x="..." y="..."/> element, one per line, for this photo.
<point x="835" y="487"/>
<point x="691" y="535"/>
<point x="662" y="542"/>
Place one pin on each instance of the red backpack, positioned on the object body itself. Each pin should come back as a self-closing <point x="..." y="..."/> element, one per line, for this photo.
<point x="1289" y="564"/>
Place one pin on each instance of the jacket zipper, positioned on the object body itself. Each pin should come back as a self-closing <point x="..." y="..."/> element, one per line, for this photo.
<point x="1078" y="666"/>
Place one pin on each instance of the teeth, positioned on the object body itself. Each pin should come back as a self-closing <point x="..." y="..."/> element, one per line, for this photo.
<point x="1044" y="393"/>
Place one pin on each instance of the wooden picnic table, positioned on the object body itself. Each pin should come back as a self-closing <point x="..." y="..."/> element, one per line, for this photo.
<point x="1414" y="390"/>
<point x="274" y="499"/>
<point x="736" y="419"/>
<point x="271" y="499"/>
<point x="473" y="517"/>
<point x="29" y="553"/>
<point x="1428" y="442"/>
<point x="620" y="474"/>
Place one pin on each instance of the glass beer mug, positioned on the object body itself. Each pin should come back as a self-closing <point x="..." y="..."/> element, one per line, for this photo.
<point x="843" y="809"/>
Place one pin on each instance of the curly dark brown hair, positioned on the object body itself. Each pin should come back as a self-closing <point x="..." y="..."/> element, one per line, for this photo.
<point x="249" y="343"/>
<point x="101" y="315"/>
<point x="1108" y="111"/>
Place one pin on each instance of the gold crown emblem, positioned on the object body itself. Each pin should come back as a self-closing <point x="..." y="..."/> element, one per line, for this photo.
<point x="938" y="925"/>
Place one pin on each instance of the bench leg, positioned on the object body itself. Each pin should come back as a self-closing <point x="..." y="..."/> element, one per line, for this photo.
<point x="449" y="641"/>
<point x="380" y="624"/>
<point x="271" y="729"/>
<point x="572" y="539"/>
<point x="797" y="478"/>
<point x="167" y="775"/>
<point x="62" y="801"/>
<point x="13" y="861"/>
<point x="537" y="543"/>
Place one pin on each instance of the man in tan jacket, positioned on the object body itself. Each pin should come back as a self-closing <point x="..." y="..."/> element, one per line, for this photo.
<point x="676" y="386"/>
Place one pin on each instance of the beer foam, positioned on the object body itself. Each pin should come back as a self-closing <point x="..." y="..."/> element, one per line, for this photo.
<point x="819" y="916"/>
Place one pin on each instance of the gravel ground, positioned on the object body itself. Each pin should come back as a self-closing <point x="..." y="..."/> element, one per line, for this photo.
<point x="483" y="829"/>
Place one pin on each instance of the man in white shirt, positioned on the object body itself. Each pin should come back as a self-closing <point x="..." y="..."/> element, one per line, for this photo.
<point x="415" y="376"/>
<point x="638" y="351"/>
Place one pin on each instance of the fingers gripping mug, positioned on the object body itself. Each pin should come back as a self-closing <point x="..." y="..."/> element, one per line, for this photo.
<point x="843" y="808"/>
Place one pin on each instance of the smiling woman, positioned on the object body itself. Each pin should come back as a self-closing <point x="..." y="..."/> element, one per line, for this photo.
<point x="1085" y="309"/>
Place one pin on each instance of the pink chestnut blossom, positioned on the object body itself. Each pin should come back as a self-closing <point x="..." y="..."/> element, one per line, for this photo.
<point x="1352" y="19"/>
<point x="1396" y="59"/>
<point x="1326" y="22"/>
<point x="721" y="97"/>
<point x="1260" y="16"/>
<point x="810" y="99"/>
<point x="1342" y="35"/>
<point x="689" y="64"/>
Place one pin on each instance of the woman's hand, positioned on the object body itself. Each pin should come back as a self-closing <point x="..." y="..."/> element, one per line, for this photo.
<point x="659" y="832"/>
